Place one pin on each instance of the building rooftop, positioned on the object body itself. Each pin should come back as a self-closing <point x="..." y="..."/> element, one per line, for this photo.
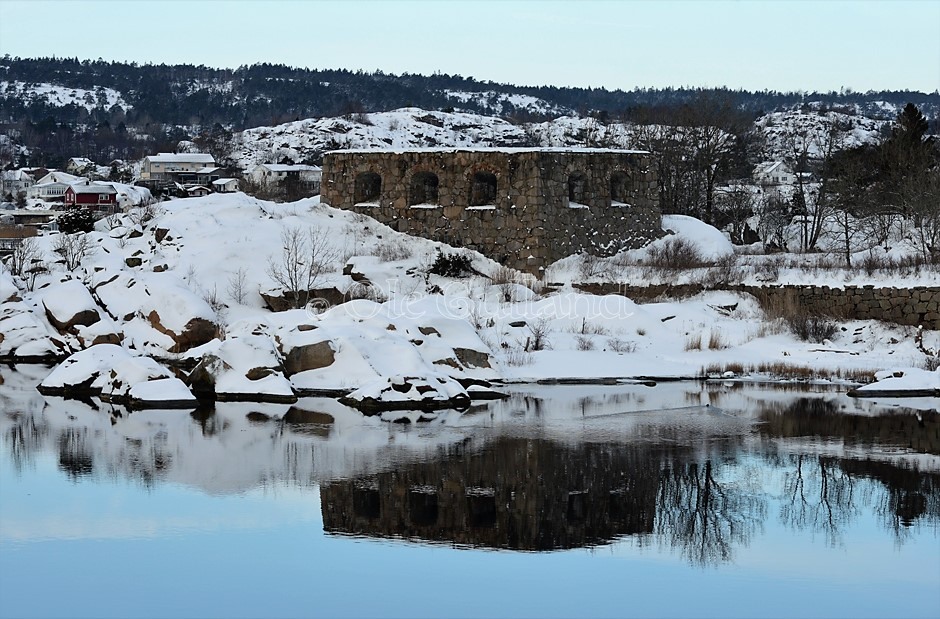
<point x="283" y="167"/>
<point x="181" y="158"/>
<point x="507" y="150"/>
<point x="92" y="188"/>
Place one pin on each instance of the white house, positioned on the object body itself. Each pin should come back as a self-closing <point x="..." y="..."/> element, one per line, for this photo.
<point x="15" y="181"/>
<point x="173" y="166"/>
<point x="773" y="173"/>
<point x="225" y="185"/>
<point x="197" y="191"/>
<point x="52" y="186"/>
<point x="273" y="173"/>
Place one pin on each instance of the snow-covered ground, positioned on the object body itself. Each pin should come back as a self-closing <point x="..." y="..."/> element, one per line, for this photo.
<point x="186" y="287"/>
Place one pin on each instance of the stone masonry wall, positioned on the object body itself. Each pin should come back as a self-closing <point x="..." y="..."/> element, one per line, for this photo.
<point x="530" y="223"/>
<point x="919" y="305"/>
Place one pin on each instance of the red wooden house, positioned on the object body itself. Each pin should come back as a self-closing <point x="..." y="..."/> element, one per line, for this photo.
<point x="91" y="195"/>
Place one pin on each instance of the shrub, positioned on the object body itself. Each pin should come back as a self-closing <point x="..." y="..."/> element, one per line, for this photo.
<point x="584" y="342"/>
<point x="450" y="265"/>
<point x="76" y="220"/>
<point x="675" y="254"/>
<point x="812" y="328"/>
<point x="618" y="345"/>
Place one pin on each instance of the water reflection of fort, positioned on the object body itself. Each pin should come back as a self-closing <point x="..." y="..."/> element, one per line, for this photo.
<point x="535" y="494"/>
<point x="523" y="494"/>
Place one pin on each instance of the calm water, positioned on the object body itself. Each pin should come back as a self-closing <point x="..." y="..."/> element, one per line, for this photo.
<point x="561" y="501"/>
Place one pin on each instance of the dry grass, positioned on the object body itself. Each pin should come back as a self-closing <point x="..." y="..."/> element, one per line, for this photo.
<point x="392" y="251"/>
<point x="779" y="370"/>
<point x="785" y="307"/>
<point x="693" y="342"/>
<point x="716" y="341"/>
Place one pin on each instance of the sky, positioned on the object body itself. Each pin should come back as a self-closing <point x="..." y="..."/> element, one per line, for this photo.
<point x="754" y="45"/>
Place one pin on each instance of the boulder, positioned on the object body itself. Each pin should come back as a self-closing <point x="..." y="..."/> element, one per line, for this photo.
<point x="281" y="301"/>
<point x="308" y="357"/>
<point x="68" y="305"/>
<point x="196" y="332"/>
<point x="472" y="358"/>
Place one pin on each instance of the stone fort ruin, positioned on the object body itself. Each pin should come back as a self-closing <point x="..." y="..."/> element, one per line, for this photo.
<point x="523" y="207"/>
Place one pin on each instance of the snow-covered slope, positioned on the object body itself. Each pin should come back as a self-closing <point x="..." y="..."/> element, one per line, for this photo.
<point x="187" y="286"/>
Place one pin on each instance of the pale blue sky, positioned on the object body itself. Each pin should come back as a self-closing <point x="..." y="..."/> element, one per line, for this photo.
<point x="782" y="45"/>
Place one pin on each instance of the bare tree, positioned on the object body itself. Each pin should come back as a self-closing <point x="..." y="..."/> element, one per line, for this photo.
<point x="736" y="202"/>
<point x="238" y="285"/>
<point x="921" y="199"/>
<point x="306" y="257"/>
<point x="23" y="255"/>
<point x="73" y="248"/>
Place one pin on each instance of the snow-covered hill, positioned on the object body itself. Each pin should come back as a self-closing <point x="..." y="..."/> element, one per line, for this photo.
<point x="415" y="128"/>
<point x="60" y="96"/>
<point x="407" y="127"/>
<point x="784" y="131"/>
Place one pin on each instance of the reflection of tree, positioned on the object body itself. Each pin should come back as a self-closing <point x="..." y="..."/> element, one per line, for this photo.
<point x="75" y="456"/>
<point x="25" y="438"/>
<point x="819" y="496"/>
<point x="703" y="517"/>
<point x="909" y="497"/>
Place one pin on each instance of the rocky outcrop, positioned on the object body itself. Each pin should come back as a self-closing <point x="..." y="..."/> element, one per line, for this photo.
<point x="281" y="301"/>
<point x="246" y="368"/>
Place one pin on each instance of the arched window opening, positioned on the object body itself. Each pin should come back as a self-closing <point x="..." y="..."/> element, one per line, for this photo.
<point x="481" y="511"/>
<point x="368" y="187"/>
<point x="422" y="508"/>
<point x="423" y="189"/>
<point x="619" y="185"/>
<point x="367" y="503"/>
<point x="483" y="189"/>
<point x="577" y="189"/>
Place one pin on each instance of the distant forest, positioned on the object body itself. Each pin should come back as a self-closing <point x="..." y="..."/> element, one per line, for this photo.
<point x="167" y="103"/>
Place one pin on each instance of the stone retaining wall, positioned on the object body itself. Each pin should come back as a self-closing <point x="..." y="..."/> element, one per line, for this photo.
<point x="525" y="208"/>
<point x="919" y="305"/>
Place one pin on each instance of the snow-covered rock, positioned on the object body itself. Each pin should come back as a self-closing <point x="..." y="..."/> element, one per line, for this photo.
<point x="24" y="337"/>
<point x="163" y="300"/>
<point x="69" y="305"/>
<point x="246" y="366"/>
<point x="902" y="382"/>
<point x="711" y="242"/>
<point x="114" y="374"/>
<point x="428" y="392"/>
